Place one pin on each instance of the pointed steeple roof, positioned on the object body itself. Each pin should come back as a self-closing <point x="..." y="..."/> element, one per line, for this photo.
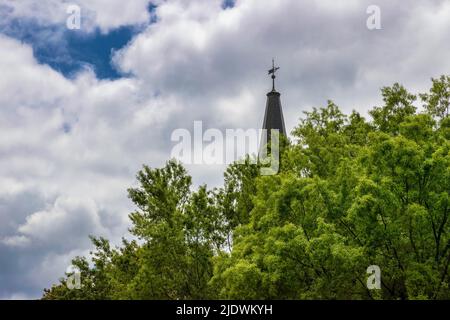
<point x="273" y="117"/>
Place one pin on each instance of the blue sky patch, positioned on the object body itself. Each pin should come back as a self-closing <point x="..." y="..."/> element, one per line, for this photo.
<point x="226" y="4"/>
<point x="69" y="51"/>
<point x="94" y="50"/>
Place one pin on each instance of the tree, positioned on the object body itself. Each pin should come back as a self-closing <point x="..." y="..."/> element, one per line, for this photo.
<point x="398" y="104"/>
<point x="351" y="193"/>
<point x="178" y="232"/>
<point x="354" y="194"/>
<point x="437" y="101"/>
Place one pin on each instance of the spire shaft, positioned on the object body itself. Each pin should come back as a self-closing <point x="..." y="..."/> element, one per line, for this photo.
<point x="273" y="117"/>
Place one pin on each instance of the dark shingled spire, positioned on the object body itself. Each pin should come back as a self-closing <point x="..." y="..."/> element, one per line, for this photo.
<point x="273" y="118"/>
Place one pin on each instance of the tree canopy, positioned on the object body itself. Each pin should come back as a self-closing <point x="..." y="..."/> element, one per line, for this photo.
<point x="350" y="193"/>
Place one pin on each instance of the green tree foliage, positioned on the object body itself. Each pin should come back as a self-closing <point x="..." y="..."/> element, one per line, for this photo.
<point x="437" y="101"/>
<point x="398" y="104"/>
<point x="351" y="193"/>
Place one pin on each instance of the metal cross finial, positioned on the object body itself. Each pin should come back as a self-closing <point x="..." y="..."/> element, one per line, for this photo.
<point x="272" y="72"/>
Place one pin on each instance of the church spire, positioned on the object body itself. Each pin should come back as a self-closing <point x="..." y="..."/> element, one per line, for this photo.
<point x="273" y="117"/>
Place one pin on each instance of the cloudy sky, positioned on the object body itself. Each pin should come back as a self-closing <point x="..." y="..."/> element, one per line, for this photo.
<point x="82" y="110"/>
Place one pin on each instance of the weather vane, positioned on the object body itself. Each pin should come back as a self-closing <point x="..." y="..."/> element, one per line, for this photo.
<point x="272" y="72"/>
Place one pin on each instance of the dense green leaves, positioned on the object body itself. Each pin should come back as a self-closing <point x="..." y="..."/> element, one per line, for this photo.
<point x="350" y="194"/>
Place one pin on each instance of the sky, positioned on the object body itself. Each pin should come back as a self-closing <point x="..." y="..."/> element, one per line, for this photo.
<point x="82" y="110"/>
